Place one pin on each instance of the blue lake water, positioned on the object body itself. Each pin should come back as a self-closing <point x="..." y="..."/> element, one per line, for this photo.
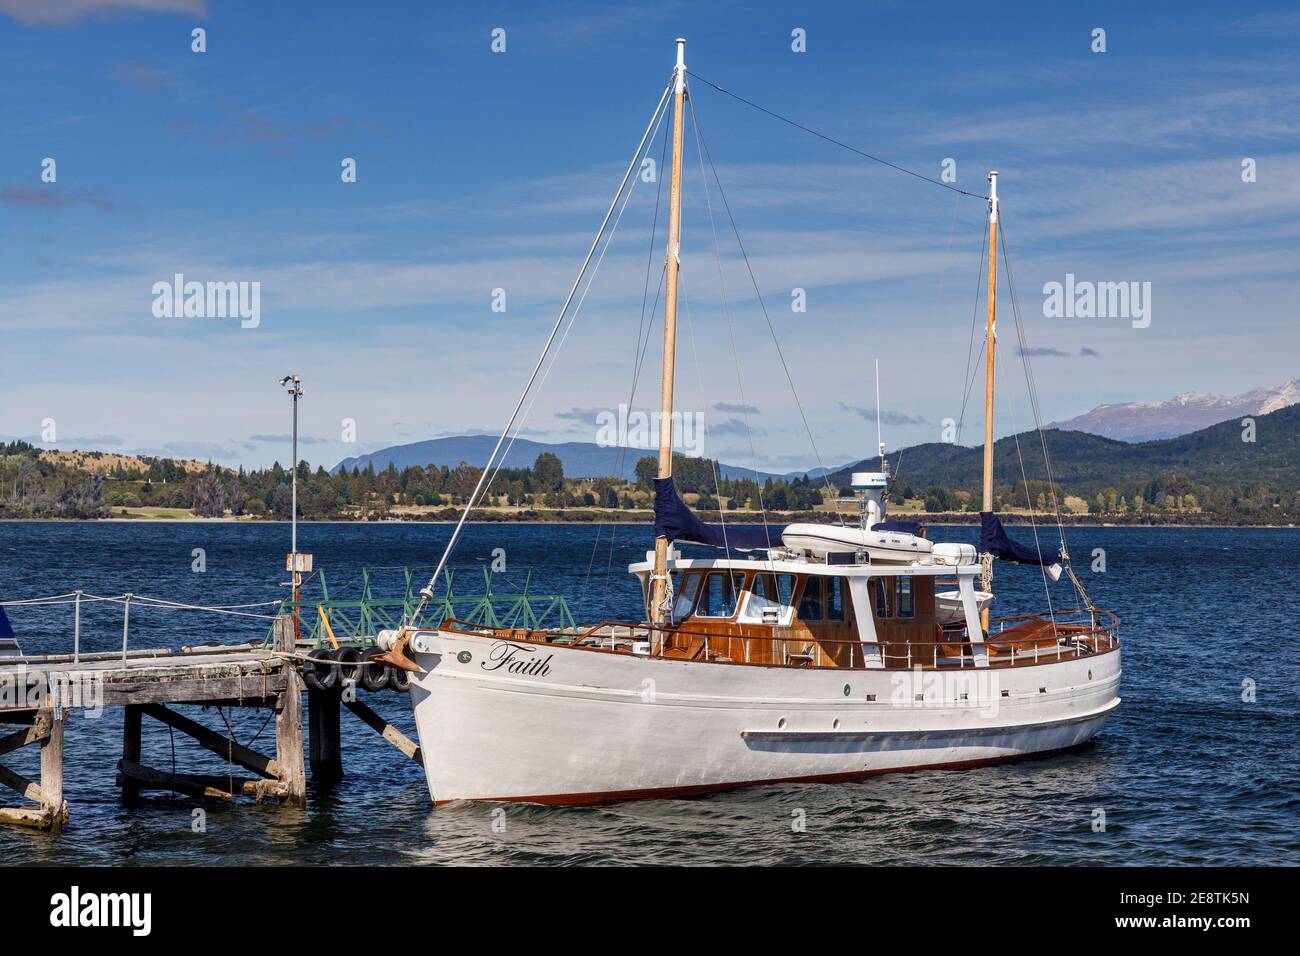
<point x="1186" y="772"/>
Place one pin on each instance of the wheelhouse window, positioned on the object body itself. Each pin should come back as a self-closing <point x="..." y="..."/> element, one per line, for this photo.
<point x="835" y="598"/>
<point x="776" y="588"/>
<point x="904" y="598"/>
<point x="881" y="589"/>
<point x="811" y="605"/>
<point x="688" y="586"/>
<point x="770" y="594"/>
<point x="718" y="594"/>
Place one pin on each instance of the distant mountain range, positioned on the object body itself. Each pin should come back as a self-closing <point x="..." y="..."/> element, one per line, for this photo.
<point x="1197" y="435"/>
<point x="580" y="459"/>
<point x="1216" y="456"/>
<point x="1180" y="415"/>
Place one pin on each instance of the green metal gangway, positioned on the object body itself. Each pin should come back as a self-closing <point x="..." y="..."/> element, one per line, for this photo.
<point x="357" y="620"/>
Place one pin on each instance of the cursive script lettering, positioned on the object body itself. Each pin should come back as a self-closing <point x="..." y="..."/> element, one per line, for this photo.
<point x="511" y="657"/>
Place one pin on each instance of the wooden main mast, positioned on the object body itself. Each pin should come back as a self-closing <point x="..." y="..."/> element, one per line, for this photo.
<point x="659" y="579"/>
<point x="990" y="365"/>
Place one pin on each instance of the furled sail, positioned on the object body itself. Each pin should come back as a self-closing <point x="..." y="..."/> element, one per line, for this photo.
<point x="995" y="540"/>
<point x="675" y="521"/>
<point x="8" y="644"/>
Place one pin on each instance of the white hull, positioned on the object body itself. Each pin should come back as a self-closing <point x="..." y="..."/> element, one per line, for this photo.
<point x="581" y="726"/>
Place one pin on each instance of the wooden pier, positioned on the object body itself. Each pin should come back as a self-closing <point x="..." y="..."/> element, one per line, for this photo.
<point x="38" y="693"/>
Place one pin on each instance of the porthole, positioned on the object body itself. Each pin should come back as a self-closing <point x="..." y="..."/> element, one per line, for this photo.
<point x="780" y="724"/>
<point x="835" y="724"/>
<point x="847" y="690"/>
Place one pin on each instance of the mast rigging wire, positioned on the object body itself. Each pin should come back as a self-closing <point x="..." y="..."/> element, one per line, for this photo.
<point x="833" y="140"/>
<point x="642" y="346"/>
<point x="731" y="331"/>
<point x="1038" y="421"/>
<point x="427" y="592"/>
<point x="968" y="377"/>
<point x="699" y="383"/>
<point x="573" y="318"/>
<point x="1029" y="503"/>
<point x="762" y="305"/>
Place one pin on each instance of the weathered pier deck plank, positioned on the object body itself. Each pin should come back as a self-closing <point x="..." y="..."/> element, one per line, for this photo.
<point x="39" y="692"/>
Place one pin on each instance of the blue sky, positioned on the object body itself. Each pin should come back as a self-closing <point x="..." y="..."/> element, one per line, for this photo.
<point x="479" y="170"/>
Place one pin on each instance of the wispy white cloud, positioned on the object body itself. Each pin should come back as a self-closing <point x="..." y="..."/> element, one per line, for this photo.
<point x="67" y="13"/>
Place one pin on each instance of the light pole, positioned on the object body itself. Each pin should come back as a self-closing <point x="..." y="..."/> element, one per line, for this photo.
<point x="295" y="562"/>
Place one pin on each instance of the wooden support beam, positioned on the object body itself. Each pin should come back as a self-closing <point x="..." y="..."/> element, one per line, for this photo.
<point x="198" y="691"/>
<point x="25" y="817"/>
<point x="210" y="786"/>
<point x="21" y="785"/>
<point x="244" y="786"/>
<point x="219" y="744"/>
<point x="146" y="778"/>
<point x="324" y="738"/>
<point x="52" y="769"/>
<point x="288" y="720"/>
<point x="22" y="738"/>
<point x="262" y="789"/>
<point x="386" y="730"/>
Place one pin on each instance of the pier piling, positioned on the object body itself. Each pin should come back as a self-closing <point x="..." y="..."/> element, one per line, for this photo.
<point x="324" y="736"/>
<point x="154" y="684"/>
<point x="52" y="803"/>
<point x="288" y="723"/>
<point x="131" y="734"/>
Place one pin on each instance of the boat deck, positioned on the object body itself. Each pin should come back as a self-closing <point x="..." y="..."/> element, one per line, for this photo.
<point x="1022" y="641"/>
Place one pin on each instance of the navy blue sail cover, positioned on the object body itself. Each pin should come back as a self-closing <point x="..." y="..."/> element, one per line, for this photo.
<point x="675" y="521"/>
<point x="5" y="629"/>
<point x="995" y="540"/>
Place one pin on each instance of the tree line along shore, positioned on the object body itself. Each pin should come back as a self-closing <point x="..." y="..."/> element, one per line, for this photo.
<point x="37" y="485"/>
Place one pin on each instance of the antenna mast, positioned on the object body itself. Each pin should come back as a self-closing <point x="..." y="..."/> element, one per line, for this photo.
<point x="880" y="442"/>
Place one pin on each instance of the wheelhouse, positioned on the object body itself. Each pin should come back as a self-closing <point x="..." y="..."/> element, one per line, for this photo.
<point x="798" y="612"/>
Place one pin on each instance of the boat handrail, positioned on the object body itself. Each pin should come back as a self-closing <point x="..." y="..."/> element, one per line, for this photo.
<point x="1096" y="638"/>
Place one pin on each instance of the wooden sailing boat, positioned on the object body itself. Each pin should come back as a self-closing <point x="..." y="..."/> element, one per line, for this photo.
<point x="823" y="654"/>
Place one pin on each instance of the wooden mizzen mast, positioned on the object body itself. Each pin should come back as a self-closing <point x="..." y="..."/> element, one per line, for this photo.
<point x="990" y="363"/>
<point x="659" y="580"/>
